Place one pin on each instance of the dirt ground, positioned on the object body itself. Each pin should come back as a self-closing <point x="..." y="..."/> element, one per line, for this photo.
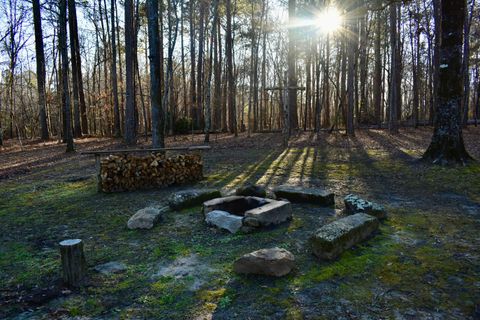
<point x="423" y="264"/>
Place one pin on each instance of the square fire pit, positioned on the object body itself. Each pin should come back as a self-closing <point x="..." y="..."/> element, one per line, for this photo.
<point x="254" y="211"/>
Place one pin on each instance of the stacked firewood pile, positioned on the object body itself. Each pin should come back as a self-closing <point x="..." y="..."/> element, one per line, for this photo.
<point x="129" y="172"/>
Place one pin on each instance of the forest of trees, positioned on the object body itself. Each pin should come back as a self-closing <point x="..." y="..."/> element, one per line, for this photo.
<point x="137" y="68"/>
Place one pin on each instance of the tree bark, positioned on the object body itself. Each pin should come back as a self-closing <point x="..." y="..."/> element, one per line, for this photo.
<point x="200" y="71"/>
<point x="73" y="261"/>
<point x="130" y="118"/>
<point x="40" y="59"/>
<point x="208" y="111"/>
<point x="64" y="57"/>
<point x="466" y="63"/>
<point x="116" y="109"/>
<point x="291" y="61"/>
<point x="377" y="73"/>
<point x="232" y="111"/>
<point x="352" y="64"/>
<point x="155" y="81"/>
<point x="393" y="91"/>
<point x="447" y="145"/>
<point x="77" y="127"/>
<point x="193" y="86"/>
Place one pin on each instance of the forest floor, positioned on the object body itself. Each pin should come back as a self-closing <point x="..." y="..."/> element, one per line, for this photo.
<point x="423" y="264"/>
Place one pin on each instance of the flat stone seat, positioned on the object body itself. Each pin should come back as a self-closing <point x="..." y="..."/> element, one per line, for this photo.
<point x="191" y="197"/>
<point x="274" y="212"/>
<point x="332" y="239"/>
<point x="224" y="220"/>
<point x="355" y="204"/>
<point x="300" y="194"/>
<point x="145" y="218"/>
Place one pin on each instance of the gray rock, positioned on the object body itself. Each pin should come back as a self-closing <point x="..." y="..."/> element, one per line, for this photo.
<point x="224" y="220"/>
<point x="145" y="218"/>
<point x="355" y="204"/>
<point x="251" y="190"/>
<point x="300" y="194"/>
<point x="274" y="212"/>
<point x="111" y="268"/>
<point x="332" y="239"/>
<point x="270" y="262"/>
<point x="192" y="197"/>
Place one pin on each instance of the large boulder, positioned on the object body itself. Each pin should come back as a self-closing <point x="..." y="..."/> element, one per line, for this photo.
<point x="300" y="194"/>
<point x="145" y="218"/>
<point x="191" y="197"/>
<point x="271" y="213"/>
<point x="355" y="204"/>
<point x="270" y="262"/>
<point x="224" y="220"/>
<point x="251" y="190"/>
<point x="332" y="239"/>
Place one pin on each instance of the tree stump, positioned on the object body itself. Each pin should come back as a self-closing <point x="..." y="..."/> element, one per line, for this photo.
<point x="73" y="262"/>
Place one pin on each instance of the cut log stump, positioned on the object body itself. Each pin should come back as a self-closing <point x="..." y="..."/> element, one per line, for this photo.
<point x="73" y="262"/>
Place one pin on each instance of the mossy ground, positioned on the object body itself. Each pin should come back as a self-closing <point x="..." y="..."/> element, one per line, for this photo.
<point x="424" y="261"/>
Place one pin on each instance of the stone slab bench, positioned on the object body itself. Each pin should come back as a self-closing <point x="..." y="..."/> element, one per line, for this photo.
<point x="332" y="239"/>
<point x="300" y="194"/>
<point x="272" y="213"/>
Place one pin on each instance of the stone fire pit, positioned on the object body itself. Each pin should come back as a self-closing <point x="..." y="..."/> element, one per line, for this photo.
<point x="239" y="212"/>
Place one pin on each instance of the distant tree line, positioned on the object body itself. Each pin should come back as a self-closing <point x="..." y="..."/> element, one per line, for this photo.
<point x="165" y="67"/>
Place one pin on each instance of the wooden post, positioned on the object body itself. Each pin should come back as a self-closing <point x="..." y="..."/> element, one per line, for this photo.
<point x="73" y="262"/>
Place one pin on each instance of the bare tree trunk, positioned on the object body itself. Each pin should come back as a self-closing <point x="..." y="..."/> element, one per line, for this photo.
<point x="130" y="119"/>
<point x="263" y="94"/>
<point x="377" y="73"/>
<point x="77" y="127"/>
<point x="81" y="93"/>
<point x="155" y="79"/>
<point x="393" y="100"/>
<point x="447" y="145"/>
<point x="232" y="111"/>
<point x="326" y="96"/>
<point x="116" y="110"/>
<point x="200" y="62"/>
<point x="217" y="95"/>
<point x="291" y="61"/>
<point x="120" y="69"/>
<point x="363" y="65"/>
<point x="193" y="86"/>
<point x="466" y="62"/>
<point x="172" y="38"/>
<point x="415" y="48"/>
<point x="40" y="58"/>
<point x="436" y="59"/>
<point x="64" y="57"/>
<point x="209" y="80"/>
<point x="352" y="65"/>
<point x="182" y="47"/>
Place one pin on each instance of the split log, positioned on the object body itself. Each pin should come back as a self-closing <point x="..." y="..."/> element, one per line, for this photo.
<point x="73" y="262"/>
